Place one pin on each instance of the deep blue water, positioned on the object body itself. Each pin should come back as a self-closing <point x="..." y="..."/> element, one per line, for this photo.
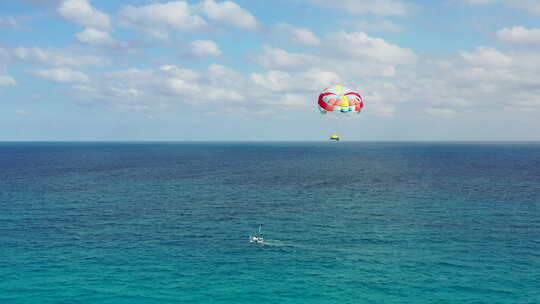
<point x="343" y="222"/>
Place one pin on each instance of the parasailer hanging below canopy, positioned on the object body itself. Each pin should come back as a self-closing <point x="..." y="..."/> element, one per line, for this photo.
<point x="340" y="100"/>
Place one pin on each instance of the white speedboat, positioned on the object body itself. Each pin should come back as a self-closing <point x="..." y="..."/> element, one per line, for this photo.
<point x="256" y="238"/>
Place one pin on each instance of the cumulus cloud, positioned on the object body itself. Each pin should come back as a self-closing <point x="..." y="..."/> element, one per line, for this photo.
<point x="487" y="56"/>
<point x="217" y="83"/>
<point x="294" y="101"/>
<point x="278" y="81"/>
<point x="136" y="89"/>
<point x="217" y="87"/>
<point x="298" y="35"/>
<point x="528" y="6"/>
<point x="361" y="45"/>
<point x="519" y="35"/>
<point x="393" y="79"/>
<point x="310" y="80"/>
<point x="464" y="83"/>
<point x="7" y="81"/>
<point x="96" y="37"/>
<point x="485" y="78"/>
<point x="262" y="91"/>
<point x="82" y="12"/>
<point x="379" y="7"/>
<point x="377" y="25"/>
<point x="229" y="13"/>
<point x="182" y="87"/>
<point x="291" y="78"/>
<point x="61" y="75"/>
<point x="203" y="48"/>
<point x="51" y="57"/>
<point x="130" y="90"/>
<point x="356" y="54"/>
<point x="173" y="71"/>
<point x="160" y="18"/>
<point x="274" y="58"/>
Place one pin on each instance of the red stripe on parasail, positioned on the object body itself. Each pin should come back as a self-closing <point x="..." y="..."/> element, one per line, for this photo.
<point x="360" y="105"/>
<point x="355" y="94"/>
<point x="323" y="104"/>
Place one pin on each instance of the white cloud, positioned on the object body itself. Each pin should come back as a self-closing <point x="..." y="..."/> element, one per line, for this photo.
<point x="224" y="77"/>
<point x="125" y="92"/>
<point x="7" y="81"/>
<point x="217" y="87"/>
<point x="380" y="25"/>
<point x="379" y="7"/>
<point x="223" y="83"/>
<point x="487" y="56"/>
<point x="136" y="89"/>
<point x="182" y="87"/>
<point x="465" y="82"/>
<point x="202" y="48"/>
<point x="222" y="94"/>
<point x="361" y="45"/>
<point x="52" y="57"/>
<point x="228" y="13"/>
<point x="528" y="6"/>
<point x="438" y="88"/>
<point x="273" y="58"/>
<point x="160" y="18"/>
<point x="307" y="81"/>
<point x="294" y="101"/>
<point x="132" y="78"/>
<point x="318" y="78"/>
<point x="290" y="76"/>
<point x="278" y="81"/>
<point x="62" y="75"/>
<point x="298" y="35"/>
<point x="96" y="37"/>
<point x="173" y="71"/>
<point x="476" y="81"/>
<point x="82" y="12"/>
<point x="519" y="35"/>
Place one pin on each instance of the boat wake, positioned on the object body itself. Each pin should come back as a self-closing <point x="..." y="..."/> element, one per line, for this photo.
<point x="275" y="243"/>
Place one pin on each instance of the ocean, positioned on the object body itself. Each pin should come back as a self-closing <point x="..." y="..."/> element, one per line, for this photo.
<point x="347" y="222"/>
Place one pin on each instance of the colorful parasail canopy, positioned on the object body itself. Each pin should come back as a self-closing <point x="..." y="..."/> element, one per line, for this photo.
<point x="340" y="99"/>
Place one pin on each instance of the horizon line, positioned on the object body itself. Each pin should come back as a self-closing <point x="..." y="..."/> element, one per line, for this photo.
<point x="263" y="141"/>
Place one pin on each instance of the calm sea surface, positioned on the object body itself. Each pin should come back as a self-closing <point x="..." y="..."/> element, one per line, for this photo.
<point x="343" y="222"/>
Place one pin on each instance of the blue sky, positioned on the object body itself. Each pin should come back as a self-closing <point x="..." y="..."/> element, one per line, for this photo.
<point x="252" y="69"/>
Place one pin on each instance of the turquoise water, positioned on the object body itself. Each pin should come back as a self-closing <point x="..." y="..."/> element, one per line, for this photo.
<point x="343" y="222"/>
